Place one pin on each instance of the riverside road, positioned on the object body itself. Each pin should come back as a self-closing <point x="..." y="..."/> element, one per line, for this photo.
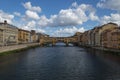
<point x="60" y="63"/>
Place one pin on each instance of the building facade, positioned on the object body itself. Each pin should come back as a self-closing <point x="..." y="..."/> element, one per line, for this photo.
<point x="77" y="36"/>
<point x="1" y="37"/>
<point x="98" y="33"/>
<point x="39" y="35"/>
<point x="10" y="33"/>
<point x="33" y="36"/>
<point x="107" y="36"/>
<point x="23" y="36"/>
<point x="115" y="39"/>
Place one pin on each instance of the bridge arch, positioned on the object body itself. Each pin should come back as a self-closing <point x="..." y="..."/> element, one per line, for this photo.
<point x="54" y="40"/>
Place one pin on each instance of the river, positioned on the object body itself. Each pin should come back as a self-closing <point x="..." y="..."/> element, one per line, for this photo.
<point x="60" y="63"/>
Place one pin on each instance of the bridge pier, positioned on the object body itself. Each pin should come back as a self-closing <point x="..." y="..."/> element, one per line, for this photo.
<point x="67" y="44"/>
<point x="66" y="41"/>
<point x="53" y="44"/>
<point x="41" y="45"/>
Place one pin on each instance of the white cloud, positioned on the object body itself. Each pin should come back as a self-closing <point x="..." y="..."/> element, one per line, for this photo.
<point x="93" y="17"/>
<point x="28" y="6"/>
<point x="74" y="4"/>
<point x="76" y="15"/>
<point x="115" y="18"/>
<point x="32" y="14"/>
<point x="68" y="31"/>
<point x="43" y="21"/>
<point x="109" y="4"/>
<point x="6" y="16"/>
<point x="17" y="13"/>
<point x="40" y="30"/>
<point x="69" y="17"/>
<point x="31" y="25"/>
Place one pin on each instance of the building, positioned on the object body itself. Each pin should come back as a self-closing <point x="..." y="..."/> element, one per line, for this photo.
<point x="23" y="36"/>
<point x="109" y="26"/>
<point x="89" y="38"/>
<point x="96" y="36"/>
<point x="33" y="36"/>
<point x="92" y="37"/>
<point x="1" y="37"/>
<point x="37" y="37"/>
<point x="43" y="35"/>
<point x="86" y="38"/>
<point x="83" y="39"/>
<point x="10" y="33"/>
<point x="77" y="36"/>
<point x="115" y="39"/>
<point x="40" y="35"/>
<point x="106" y="38"/>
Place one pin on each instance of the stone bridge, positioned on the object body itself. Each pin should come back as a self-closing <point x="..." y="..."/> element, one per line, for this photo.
<point x="54" y="40"/>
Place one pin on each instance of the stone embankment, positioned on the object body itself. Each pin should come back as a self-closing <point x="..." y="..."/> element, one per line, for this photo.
<point x="107" y="49"/>
<point x="16" y="47"/>
<point x="110" y="50"/>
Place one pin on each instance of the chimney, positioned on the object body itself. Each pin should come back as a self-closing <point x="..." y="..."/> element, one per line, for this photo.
<point x="5" y="22"/>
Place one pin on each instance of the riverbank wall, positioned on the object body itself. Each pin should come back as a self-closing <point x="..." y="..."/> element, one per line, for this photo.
<point x="16" y="48"/>
<point x="107" y="50"/>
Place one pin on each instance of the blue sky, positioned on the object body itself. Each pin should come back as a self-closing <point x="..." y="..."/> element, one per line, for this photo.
<point x="59" y="17"/>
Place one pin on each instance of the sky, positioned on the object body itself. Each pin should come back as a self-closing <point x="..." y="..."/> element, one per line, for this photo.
<point x="59" y="17"/>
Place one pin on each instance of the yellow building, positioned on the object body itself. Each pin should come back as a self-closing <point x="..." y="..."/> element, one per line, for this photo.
<point x="23" y="36"/>
<point x="10" y="33"/>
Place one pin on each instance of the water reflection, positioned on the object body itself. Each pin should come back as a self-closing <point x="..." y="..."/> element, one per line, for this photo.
<point x="60" y="63"/>
<point x="61" y="44"/>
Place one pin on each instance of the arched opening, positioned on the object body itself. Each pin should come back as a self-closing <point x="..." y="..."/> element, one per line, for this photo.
<point x="59" y="44"/>
<point x="62" y="44"/>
